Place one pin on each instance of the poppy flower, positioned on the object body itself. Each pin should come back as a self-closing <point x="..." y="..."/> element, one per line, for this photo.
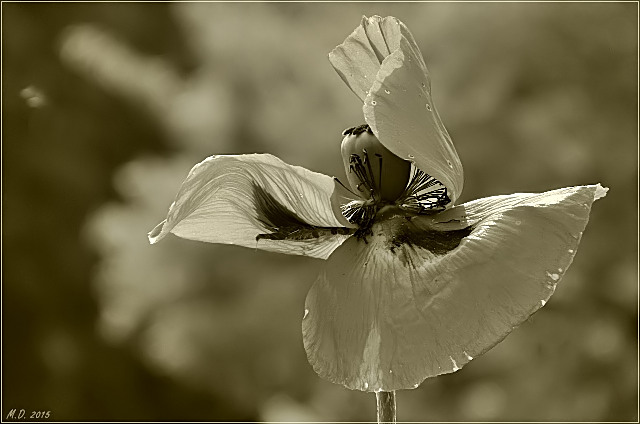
<point x="414" y="285"/>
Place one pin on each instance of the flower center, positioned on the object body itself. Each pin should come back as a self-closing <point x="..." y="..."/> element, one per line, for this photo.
<point x="382" y="180"/>
<point x="372" y="170"/>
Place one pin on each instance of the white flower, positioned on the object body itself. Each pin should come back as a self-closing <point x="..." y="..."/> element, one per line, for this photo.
<point x="414" y="285"/>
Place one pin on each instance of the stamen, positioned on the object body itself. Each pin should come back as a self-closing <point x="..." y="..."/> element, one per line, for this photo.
<point x="359" y="212"/>
<point x="344" y="186"/>
<point x="380" y="172"/>
<point x="370" y="171"/>
<point x="423" y="193"/>
<point x="365" y="175"/>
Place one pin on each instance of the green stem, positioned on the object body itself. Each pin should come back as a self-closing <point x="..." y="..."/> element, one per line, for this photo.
<point x="386" y="407"/>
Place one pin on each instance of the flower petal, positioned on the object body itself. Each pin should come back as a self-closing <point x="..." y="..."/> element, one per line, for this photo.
<point x="414" y="302"/>
<point x="381" y="62"/>
<point x="356" y="62"/>
<point x="475" y="211"/>
<point x="400" y="110"/>
<point x="257" y="201"/>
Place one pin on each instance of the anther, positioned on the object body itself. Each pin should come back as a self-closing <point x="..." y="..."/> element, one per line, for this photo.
<point x="423" y="193"/>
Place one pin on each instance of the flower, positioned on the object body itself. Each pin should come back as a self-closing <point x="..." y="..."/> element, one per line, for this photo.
<point x="413" y="286"/>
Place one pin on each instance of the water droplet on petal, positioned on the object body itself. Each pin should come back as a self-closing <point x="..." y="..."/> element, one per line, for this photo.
<point x="306" y="312"/>
<point x="559" y="269"/>
<point x="469" y="357"/>
<point x="455" y="365"/>
<point x="570" y="250"/>
<point x="390" y="371"/>
<point x="424" y="85"/>
<point x="428" y="106"/>
<point x="373" y="102"/>
<point x="366" y="385"/>
<point x="450" y="164"/>
<point x="415" y="386"/>
<point x="554" y="277"/>
<point x="411" y="157"/>
<point x="387" y="91"/>
<point x="518" y="222"/>
<point x="543" y="302"/>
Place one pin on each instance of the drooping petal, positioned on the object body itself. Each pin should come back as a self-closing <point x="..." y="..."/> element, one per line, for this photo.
<point x="381" y="62"/>
<point x="257" y="201"/>
<point x="414" y="302"/>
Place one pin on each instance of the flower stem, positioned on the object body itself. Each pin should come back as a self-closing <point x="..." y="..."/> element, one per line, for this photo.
<point x="386" y="407"/>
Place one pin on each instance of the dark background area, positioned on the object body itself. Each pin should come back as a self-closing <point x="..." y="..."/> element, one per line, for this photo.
<point x="107" y="106"/>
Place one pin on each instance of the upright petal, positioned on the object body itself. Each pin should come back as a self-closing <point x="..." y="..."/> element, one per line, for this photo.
<point x="381" y="62"/>
<point x="356" y="61"/>
<point x="257" y="201"/>
<point x="415" y="301"/>
<point x="400" y="110"/>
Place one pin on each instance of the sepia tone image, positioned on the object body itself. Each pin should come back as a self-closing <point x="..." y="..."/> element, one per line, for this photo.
<point x="320" y="212"/>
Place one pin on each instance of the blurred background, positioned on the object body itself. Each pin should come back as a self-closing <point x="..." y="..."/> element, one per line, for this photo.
<point x="107" y="106"/>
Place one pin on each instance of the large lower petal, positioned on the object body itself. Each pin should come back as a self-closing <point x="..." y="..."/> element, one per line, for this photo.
<point x="257" y="201"/>
<point x="412" y="301"/>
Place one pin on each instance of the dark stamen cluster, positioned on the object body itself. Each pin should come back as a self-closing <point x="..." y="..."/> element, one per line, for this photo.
<point x="362" y="169"/>
<point x="423" y="193"/>
<point x="362" y="212"/>
<point x="359" y="212"/>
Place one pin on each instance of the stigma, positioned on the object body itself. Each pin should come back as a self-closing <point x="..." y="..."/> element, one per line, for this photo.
<point x="373" y="172"/>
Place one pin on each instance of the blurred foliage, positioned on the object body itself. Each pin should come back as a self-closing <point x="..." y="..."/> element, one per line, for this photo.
<point x="107" y="106"/>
